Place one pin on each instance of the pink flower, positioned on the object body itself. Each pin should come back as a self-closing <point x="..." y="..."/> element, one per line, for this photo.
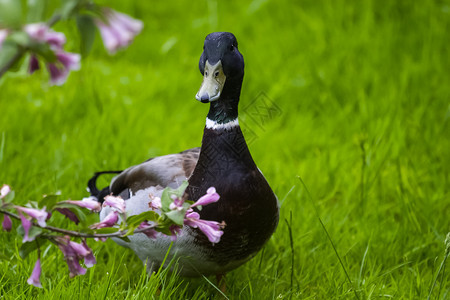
<point x="118" y="31"/>
<point x="79" y="249"/>
<point x="86" y="203"/>
<point x="210" y="197"/>
<point x="7" y="224"/>
<point x="5" y="190"/>
<point x="155" y="203"/>
<point x="39" y="215"/>
<point x="151" y="233"/>
<point x="3" y="35"/>
<point x="35" y="275"/>
<point x="26" y="224"/>
<point x="89" y="259"/>
<point x="177" y="203"/>
<point x="65" y="62"/>
<point x="108" y="221"/>
<point x="72" y="254"/>
<point x="40" y="32"/>
<point x="117" y="203"/>
<point x="212" y="229"/>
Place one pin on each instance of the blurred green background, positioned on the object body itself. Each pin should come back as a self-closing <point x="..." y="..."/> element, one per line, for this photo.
<point x="361" y="94"/>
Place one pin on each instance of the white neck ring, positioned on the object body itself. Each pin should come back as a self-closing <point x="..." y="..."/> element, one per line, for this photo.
<point x="210" y="124"/>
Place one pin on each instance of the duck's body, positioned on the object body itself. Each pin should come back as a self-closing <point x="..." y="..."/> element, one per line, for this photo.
<point x="247" y="204"/>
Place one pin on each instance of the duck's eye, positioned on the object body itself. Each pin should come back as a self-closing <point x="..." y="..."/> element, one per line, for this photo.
<point x="231" y="47"/>
<point x="206" y="73"/>
<point x="216" y="74"/>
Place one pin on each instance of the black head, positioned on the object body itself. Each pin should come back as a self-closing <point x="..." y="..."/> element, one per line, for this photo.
<point x="221" y="65"/>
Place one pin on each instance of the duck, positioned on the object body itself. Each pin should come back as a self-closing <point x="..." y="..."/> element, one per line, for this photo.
<point x="247" y="204"/>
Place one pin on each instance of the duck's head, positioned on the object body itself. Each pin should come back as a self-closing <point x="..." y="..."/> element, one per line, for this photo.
<point x="222" y="67"/>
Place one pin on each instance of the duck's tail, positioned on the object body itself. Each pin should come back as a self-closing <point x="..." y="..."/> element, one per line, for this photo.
<point x="92" y="186"/>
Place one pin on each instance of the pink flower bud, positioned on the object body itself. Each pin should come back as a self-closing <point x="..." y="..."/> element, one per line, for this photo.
<point x="3" y="35"/>
<point x="5" y="190"/>
<point x="7" y="224"/>
<point x="86" y="203"/>
<point x="34" y="64"/>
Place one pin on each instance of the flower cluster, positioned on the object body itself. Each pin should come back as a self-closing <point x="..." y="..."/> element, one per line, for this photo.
<point x="212" y="229"/>
<point x="117" y="31"/>
<point x="63" y="62"/>
<point x="167" y="215"/>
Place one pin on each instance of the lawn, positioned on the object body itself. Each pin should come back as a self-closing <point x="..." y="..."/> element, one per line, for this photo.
<point x="345" y="105"/>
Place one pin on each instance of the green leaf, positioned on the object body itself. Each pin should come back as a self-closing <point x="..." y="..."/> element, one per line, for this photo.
<point x="32" y="233"/>
<point x="87" y="30"/>
<point x="36" y="10"/>
<point x="145" y="216"/>
<point x="29" y="247"/>
<point x="181" y="189"/>
<point x="43" y="50"/>
<point x="20" y="38"/>
<point x="8" y="51"/>
<point x="49" y="201"/>
<point x="177" y="216"/>
<point x="166" y="199"/>
<point x="10" y="197"/>
<point x="68" y="7"/>
<point x="10" y="13"/>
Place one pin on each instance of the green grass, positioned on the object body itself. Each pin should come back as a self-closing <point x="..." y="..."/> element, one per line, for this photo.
<point x="363" y="91"/>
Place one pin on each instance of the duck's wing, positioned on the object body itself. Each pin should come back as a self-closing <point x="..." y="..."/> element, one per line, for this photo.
<point x="168" y="170"/>
<point x="164" y="171"/>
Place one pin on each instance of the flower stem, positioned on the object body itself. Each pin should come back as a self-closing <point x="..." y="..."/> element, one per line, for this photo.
<point x="120" y="233"/>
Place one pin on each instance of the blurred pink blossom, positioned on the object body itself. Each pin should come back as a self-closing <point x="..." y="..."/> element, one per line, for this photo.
<point x="65" y="61"/>
<point x="3" y="35"/>
<point x="5" y="190"/>
<point x="118" y="31"/>
<point x="35" y="275"/>
<point x="40" y="32"/>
